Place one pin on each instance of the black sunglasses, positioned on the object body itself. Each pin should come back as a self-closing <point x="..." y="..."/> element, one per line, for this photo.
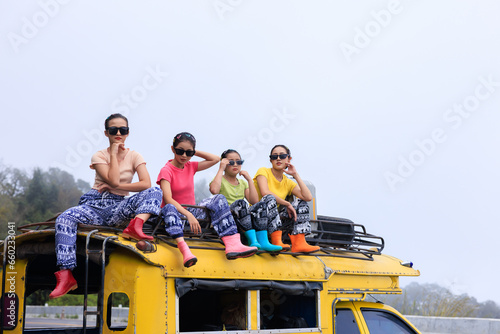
<point x="113" y="130"/>
<point x="181" y="151"/>
<point x="281" y="156"/>
<point x="238" y="162"/>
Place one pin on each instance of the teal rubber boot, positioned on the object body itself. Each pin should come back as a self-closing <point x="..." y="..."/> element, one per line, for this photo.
<point x="252" y="239"/>
<point x="265" y="244"/>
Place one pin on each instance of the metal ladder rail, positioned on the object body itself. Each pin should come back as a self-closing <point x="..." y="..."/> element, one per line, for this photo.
<point x="4" y="275"/>
<point x="100" y="298"/>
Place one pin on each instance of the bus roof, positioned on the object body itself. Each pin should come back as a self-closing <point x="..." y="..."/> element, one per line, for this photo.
<point x="212" y="262"/>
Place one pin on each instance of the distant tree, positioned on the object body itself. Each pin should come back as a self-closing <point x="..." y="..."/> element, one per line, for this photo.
<point x="435" y="300"/>
<point x="201" y="190"/>
<point x="28" y="199"/>
<point x="12" y="184"/>
<point x="83" y="186"/>
<point x="12" y="181"/>
<point x="488" y="309"/>
<point x="39" y="198"/>
<point x="68" y="191"/>
<point x="120" y="298"/>
<point x="69" y="299"/>
<point x="39" y="297"/>
<point x="48" y="193"/>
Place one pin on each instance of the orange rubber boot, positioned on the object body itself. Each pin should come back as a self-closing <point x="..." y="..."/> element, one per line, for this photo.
<point x="134" y="230"/>
<point x="300" y="245"/>
<point x="65" y="283"/>
<point x="276" y="240"/>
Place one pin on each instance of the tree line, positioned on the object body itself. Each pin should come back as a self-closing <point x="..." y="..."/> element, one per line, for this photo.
<point x="435" y="300"/>
<point x="35" y="197"/>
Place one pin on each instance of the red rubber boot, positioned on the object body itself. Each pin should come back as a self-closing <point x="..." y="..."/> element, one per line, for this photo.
<point x="65" y="283"/>
<point x="134" y="230"/>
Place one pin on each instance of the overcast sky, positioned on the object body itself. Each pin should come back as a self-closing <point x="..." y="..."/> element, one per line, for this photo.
<point x="390" y="108"/>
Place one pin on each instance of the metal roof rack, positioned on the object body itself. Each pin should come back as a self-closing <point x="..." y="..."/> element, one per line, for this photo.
<point x="338" y="237"/>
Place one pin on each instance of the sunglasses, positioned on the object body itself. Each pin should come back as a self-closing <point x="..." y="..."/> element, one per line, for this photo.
<point x="281" y="156"/>
<point x="113" y="130"/>
<point x="238" y="162"/>
<point x="180" y="151"/>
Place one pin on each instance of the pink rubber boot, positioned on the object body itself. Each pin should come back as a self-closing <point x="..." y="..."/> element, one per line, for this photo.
<point x="235" y="249"/>
<point x="189" y="258"/>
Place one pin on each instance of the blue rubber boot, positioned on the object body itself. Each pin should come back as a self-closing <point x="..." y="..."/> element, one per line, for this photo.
<point x="252" y="240"/>
<point x="265" y="244"/>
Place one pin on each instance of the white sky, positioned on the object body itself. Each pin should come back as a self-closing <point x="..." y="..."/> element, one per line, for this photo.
<point x="357" y="89"/>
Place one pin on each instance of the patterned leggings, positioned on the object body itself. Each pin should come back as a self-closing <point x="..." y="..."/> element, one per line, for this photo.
<point x="261" y="216"/>
<point x="302" y="225"/>
<point x="220" y="216"/>
<point x="100" y="209"/>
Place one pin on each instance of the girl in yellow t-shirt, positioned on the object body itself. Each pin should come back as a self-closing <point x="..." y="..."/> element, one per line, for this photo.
<point x="294" y="215"/>
<point x="254" y="220"/>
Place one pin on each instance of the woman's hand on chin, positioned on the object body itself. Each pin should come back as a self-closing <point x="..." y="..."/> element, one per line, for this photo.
<point x="290" y="169"/>
<point x="117" y="147"/>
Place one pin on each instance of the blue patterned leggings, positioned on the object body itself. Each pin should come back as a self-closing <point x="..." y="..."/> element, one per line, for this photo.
<point x="100" y="209"/>
<point x="220" y="216"/>
<point x="261" y="216"/>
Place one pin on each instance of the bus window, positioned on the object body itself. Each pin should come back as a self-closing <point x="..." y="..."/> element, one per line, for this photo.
<point x="118" y="309"/>
<point x="279" y="310"/>
<point x="213" y="310"/>
<point x="40" y="281"/>
<point x="382" y="322"/>
<point x="345" y="323"/>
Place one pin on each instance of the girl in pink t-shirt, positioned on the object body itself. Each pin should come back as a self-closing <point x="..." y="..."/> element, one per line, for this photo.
<point x="105" y="204"/>
<point x="176" y="180"/>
